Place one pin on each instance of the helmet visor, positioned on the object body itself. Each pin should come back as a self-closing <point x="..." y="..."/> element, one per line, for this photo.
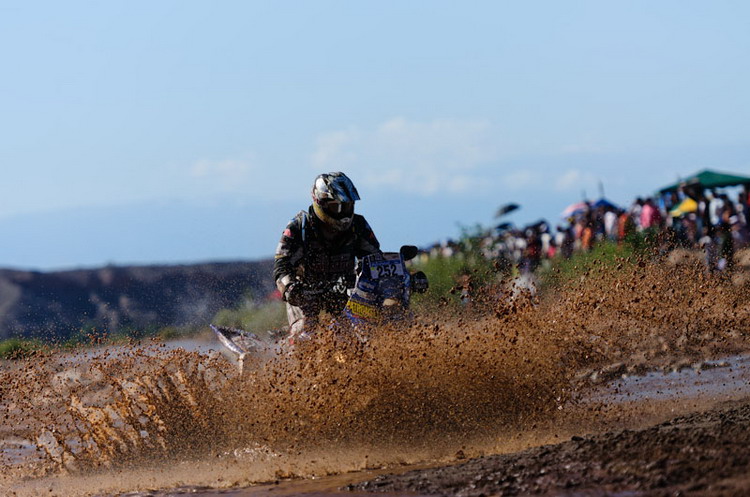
<point x="338" y="210"/>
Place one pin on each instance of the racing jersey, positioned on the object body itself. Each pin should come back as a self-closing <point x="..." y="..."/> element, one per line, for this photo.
<point x="304" y="252"/>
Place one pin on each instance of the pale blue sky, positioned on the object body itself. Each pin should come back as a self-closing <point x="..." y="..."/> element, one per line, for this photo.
<point x="175" y="132"/>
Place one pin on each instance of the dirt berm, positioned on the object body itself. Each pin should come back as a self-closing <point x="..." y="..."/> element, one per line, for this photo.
<point x="701" y="454"/>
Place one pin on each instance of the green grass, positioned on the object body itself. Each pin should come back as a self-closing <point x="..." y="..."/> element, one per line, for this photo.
<point x="161" y="332"/>
<point x="255" y="317"/>
<point x="17" y="348"/>
<point x="444" y="273"/>
<point x="605" y="255"/>
<point x="444" y="276"/>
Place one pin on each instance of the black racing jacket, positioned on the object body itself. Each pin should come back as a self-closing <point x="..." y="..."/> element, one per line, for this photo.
<point x="303" y="253"/>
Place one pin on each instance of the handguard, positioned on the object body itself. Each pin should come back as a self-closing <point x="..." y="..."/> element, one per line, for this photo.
<point x="419" y="283"/>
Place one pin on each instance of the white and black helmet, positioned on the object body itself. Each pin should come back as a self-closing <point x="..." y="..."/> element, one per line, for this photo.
<point x="333" y="196"/>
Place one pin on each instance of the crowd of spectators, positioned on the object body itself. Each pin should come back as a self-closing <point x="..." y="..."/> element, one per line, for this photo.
<point x="714" y="221"/>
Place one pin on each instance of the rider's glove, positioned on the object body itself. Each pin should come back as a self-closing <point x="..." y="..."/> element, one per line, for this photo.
<point x="294" y="294"/>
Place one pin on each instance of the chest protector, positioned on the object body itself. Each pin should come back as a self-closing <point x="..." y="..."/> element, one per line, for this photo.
<point x="327" y="260"/>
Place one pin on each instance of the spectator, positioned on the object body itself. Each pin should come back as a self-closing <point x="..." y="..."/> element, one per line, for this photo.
<point x="650" y="215"/>
<point x="625" y="226"/>
<point x="610" y="224"/>
<point x="587" y="233"/>
<point x="635" y="212"/>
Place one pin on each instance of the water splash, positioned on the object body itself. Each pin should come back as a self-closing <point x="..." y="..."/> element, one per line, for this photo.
<point x="413" y="392"/>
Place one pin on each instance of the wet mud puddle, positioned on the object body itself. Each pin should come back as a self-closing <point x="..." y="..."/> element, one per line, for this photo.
<point x="708" y="381"/>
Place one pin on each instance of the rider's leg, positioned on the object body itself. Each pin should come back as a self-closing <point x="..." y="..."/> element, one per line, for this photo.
<point x="301" y="320"/>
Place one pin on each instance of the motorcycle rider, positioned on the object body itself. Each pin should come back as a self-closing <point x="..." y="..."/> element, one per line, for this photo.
<point x="315" y="259"/>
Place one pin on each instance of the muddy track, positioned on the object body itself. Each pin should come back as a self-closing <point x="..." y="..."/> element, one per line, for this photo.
<point x="699" y="454"/>
<point x="506" y="379"/>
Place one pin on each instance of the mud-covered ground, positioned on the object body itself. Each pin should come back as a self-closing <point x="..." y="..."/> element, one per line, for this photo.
<point x="700" y="454"/>
<point x="515" y="377"/>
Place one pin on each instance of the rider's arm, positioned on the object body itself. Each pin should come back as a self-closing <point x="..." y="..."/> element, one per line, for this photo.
<point x="289" y="253"/>
<point x="367" y="242"/>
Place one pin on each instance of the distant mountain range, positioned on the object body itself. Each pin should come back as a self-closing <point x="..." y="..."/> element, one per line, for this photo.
<point x="61" y="303"/>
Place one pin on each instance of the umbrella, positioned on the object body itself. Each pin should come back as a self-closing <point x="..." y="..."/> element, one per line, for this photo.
<point x="504" y="226"/>
<point x="573" y="209"/>
<point x="603" y="202"/>
<point x="506" y="209"/>
<point x="708" y="179"/>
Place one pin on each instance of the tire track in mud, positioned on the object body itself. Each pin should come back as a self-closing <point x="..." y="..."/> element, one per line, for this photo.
<point x="414" y="393"/>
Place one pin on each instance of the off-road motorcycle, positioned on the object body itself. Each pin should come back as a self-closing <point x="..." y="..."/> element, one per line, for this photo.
<point x="381" y="294"/>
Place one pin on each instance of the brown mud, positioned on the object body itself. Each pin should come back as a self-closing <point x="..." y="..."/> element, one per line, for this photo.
<point x="703" y="453"/>
<point x="503" y="377"/>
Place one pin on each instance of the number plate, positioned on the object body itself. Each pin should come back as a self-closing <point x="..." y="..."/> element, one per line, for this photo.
<point x="389" y="266"/>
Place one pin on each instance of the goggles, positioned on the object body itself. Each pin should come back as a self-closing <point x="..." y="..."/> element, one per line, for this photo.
<point x="336" y="209"/>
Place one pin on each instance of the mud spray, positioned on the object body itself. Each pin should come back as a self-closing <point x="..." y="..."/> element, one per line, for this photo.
<point x="451" y="384"/>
